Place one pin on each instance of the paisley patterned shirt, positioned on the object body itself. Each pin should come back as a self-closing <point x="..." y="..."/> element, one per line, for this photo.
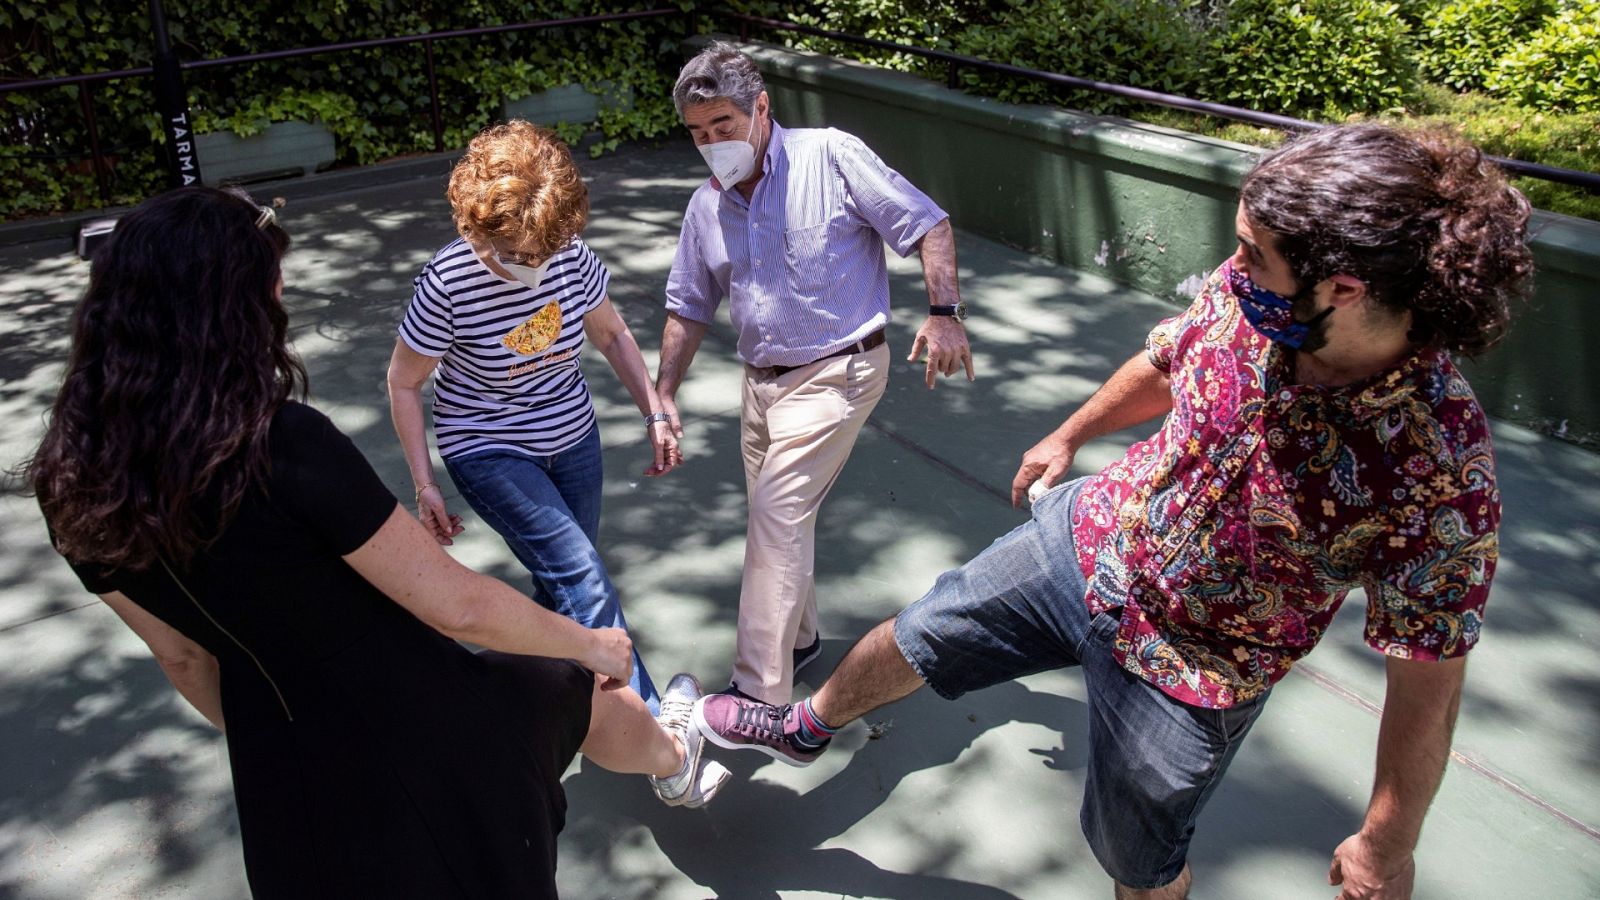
<point x="1229" y="539"/>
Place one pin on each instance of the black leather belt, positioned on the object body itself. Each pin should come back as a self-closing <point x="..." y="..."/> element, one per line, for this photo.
<point x="869" y="342"/>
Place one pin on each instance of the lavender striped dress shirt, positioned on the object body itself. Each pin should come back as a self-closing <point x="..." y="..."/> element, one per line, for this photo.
<point x="803" y="259"/>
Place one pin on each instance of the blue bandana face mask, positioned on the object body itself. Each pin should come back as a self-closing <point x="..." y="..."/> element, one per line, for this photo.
<point x="1272" y="313"/>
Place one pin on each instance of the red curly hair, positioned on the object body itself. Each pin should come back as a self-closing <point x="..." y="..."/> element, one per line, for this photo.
<point x="517" y="188"/>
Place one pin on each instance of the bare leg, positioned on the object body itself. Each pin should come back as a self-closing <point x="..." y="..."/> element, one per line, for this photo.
<point x="872" y="674"/>
<point x="1177" y="889"/>
<point x="624" y="737"/>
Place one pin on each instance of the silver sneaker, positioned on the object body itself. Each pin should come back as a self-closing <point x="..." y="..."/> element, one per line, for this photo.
<point x="695" y="784"/>
<point x="712" y="776"/>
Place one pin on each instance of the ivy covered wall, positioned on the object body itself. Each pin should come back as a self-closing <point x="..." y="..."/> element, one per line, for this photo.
<point x="375" y="101"/>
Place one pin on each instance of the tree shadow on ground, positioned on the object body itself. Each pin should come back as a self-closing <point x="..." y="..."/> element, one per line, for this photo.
<point x="100" y="740"/>
<point x="79" y="729"/>
<point x="760" y="837"/>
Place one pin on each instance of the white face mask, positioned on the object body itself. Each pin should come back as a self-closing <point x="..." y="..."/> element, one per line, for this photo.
<point x="532" y="276"/>
<point x="732" y="161"/>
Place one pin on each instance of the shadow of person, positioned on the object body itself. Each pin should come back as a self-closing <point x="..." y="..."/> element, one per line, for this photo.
<point x="761" y="836"/>
<point x="925" y="731"/>
<point x="749" y="849"/>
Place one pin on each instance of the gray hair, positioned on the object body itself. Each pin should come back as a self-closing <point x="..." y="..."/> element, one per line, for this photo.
<point x="718" y="72"/>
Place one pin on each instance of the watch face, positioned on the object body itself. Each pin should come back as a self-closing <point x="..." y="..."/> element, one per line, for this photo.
<point x="961" y="311"/>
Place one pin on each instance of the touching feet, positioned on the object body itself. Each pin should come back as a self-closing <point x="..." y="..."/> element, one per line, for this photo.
<point x="694" y="784"/>
<point x="791" y="733"/>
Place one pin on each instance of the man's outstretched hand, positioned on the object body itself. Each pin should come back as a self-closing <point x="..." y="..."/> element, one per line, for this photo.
<point x="1364" y="873"/>
<point x="945" y="341"/>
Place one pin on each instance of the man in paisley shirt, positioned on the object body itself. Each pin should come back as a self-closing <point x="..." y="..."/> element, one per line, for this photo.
<point x="1318" y="438"/>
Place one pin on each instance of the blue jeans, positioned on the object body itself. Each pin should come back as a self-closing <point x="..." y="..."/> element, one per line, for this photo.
<point x="1018" y="608"/>
<point x="548" y="510"/>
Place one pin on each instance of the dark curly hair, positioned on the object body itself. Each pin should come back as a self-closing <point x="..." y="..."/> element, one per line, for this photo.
<point x="179" y="361"/>
<point x="1421" y="217"/>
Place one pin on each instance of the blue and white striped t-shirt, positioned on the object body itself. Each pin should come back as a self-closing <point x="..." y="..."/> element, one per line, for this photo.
<point x="507" y="378"/>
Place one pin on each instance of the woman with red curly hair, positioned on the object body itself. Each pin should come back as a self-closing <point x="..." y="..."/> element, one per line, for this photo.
<point x="501" y="316"/>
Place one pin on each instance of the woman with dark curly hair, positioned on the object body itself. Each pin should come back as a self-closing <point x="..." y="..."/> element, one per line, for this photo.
<point x="501" y="314"/>
<point x="292" y="601"/>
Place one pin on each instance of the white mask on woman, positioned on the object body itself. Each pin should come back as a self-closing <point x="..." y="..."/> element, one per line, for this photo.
<point x="732" y="161"/>
<point x="532" y="276"/>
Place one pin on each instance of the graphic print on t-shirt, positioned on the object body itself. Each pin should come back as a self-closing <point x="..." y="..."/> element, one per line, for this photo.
<point x="509" y="375"/>
<point x="539" y="332"/>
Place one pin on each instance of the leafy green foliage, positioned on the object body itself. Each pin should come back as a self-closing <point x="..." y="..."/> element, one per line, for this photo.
<point x="1537" y="63"/>
<point x="1498" y="127"/>
<point x="924" y="23"/>
<point x="1327" y="60"/>
<point x="1142" y="43"/>
<point x="1558" y="67"/>
<point x="1320" y="58"/>
<point x="1459" y="41"/>
<point x="1312" y="59"/>
<point x="1504" y="128"/>
<point x="375" y="101"/>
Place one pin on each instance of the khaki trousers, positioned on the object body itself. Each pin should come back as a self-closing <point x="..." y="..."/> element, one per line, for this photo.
<point x="797" y="430"/>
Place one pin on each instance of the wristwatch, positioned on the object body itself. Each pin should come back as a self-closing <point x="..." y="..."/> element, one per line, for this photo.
<point x="957" y="312"/>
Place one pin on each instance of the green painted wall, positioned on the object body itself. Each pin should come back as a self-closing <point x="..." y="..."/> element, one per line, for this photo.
<point x="1153" y="208"/>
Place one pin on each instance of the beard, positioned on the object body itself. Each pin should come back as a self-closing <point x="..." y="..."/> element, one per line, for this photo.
<point x="1303" y="307"/>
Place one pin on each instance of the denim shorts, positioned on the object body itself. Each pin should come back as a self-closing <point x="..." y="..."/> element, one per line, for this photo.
<point x="1019" y="608"/>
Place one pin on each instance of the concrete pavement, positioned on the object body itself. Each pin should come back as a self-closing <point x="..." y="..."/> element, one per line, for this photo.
<point x="111" y="787"/>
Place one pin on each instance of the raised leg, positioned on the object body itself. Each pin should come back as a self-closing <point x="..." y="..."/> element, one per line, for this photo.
<point x="624" y="737"/>
<point x="1178" y="889"/>
<point x="872" y="674"/>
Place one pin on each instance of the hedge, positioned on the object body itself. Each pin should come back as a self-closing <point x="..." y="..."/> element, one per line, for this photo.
<point x="1522" y="76"/>
<point x="1317" y="59"/>
<point x="1459" y="42"/>
<point x="1557" y="68"/>
<point x="375" y="101"/>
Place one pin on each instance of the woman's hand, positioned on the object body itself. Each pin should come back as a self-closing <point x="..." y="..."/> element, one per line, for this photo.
<point x="611" y="655"/>
<point x="433" y="515"/>
<point x="408" y="372"/>
<point x="668" y="456"/>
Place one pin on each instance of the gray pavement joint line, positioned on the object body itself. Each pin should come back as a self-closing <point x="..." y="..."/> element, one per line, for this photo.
<point x="1332" y="686"/>
<point x="50" y="615"/>
<point x="939" y="462"/>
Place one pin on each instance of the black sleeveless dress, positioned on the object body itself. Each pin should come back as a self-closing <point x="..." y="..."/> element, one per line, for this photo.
<point x="371" y="755"/>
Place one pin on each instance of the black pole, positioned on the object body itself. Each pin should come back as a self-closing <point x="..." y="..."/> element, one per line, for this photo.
<point x="433" y="99"/>
<point x="87" y="102"/>
<point x="183" y="162"/>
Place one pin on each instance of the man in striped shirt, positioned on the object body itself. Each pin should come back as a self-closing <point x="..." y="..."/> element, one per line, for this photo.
<point x="791" y="227"/>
